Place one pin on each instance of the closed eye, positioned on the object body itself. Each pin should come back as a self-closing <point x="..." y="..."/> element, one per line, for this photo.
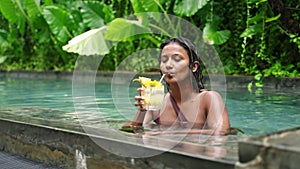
<point x="164" y="59"/>
<point x="177" y="58"/>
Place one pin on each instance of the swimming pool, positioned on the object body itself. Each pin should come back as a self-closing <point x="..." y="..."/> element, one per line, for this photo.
<point x="254" y="113"/>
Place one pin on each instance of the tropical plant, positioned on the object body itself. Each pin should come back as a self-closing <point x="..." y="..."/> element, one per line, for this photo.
<point x="41" y="29"/>
<point x="253" y="37"/>
<point x="152" y="23"/>
<point x="259" y="22"/>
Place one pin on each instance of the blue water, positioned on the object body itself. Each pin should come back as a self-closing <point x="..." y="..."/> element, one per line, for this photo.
<point x="254" y="113"/>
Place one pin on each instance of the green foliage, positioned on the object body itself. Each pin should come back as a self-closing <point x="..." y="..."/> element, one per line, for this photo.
<point x="59" y="21"/>
<point x="249" y="37"/>
<point x="47" y="27"/>
<point x="212" y="36"/>
<point x="120" y="29"/>
<point x="130" y="29"/>
<point x="89" y="43"/>
<point x="96" y="14"/>
<point x="188" y="7"/>
<point x="277" y="70"/>
<point x="3" y="39"/>
<point x="260" y="59"/>
<point x="295" y="39"/>
<point x="14" y="13"/>
<point x="140" y="6"/>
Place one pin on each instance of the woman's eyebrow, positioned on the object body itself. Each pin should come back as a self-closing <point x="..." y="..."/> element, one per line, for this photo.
<point x="163" y="55"/>
<point x="177" y="54"/>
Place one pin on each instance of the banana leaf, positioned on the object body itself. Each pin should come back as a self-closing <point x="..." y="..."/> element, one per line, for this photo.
<point x="59" y="21"/>
<point x="120" y="29"/>
<point x="89" y="43"/>
<point x="14" y="13"/>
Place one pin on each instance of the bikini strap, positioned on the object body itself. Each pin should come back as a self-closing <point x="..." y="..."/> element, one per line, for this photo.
<point x="179" y="114"/>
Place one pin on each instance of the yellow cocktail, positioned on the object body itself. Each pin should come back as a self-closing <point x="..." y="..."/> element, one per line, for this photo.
<point x="153" y="93"/>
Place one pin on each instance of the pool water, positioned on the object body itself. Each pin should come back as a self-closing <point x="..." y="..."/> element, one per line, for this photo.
<point x="254" y="113"/>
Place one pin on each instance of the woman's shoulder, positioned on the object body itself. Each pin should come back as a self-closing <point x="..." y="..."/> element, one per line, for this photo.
<point x="208" y="97"/>
<point x="205" y="91"/>
<point x="209" y="93"/>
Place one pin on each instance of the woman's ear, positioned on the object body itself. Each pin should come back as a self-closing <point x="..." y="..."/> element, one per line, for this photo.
<point x="195" y="65"/>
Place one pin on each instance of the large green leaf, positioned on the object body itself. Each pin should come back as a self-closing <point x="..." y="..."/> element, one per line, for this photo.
<point x="212" y="36"/>
<point x="59" y="21"/>
<point x="48" y="2"/>
<point x="37" y="22"/>
<point x="252" y="30"/>
<point x="137" y="6"/>
<point x="3" y="39"/>
<point x="91" y="42"/>
<point x="3" y="44"/>
<point x="95" y="13"/>
<point x="140" y="6"/>
<point x="256" y="1"/>
<point x="257" y="18"/>
<point x="151" y="6"/>
<point x="12" y="10"/>
<point x="147" y="8"/>
<point x="33" y="9"/>
<point x="2" y="59"/>
<point x="275" y="18"/>
<point x="120" y="29"/>
<point x="188" y="7"/>
<point x="9" y="10"/>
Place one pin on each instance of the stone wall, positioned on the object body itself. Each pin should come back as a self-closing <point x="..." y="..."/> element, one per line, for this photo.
<point x="231" y="81"/>
<point x="278" y="150"/>
<point x="70" y="149"/>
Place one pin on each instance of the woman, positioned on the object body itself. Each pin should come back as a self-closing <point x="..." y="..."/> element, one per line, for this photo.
<point x="187" y="104"/>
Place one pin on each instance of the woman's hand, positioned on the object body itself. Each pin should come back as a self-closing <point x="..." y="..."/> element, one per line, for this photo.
<point x="139" y="99"/>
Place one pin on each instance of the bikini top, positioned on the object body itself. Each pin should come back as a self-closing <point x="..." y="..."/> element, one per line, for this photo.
<point x="181" y="118"/>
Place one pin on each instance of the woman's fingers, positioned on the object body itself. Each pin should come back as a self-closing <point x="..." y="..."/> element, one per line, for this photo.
<point x="139" y="90"/>
<point x="138" y="104"/>
<point x="139" y="100"/>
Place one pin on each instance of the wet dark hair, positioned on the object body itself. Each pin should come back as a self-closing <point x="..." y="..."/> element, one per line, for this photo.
<point x="191" y="49"/>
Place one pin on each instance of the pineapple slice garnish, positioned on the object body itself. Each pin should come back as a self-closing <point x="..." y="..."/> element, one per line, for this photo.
<point x="147" y="82"/>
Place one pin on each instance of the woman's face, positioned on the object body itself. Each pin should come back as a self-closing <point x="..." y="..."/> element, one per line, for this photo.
<point x="174" y="63"/>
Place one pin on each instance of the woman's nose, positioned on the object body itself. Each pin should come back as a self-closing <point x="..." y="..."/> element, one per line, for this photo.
<point x="169" y="64"/>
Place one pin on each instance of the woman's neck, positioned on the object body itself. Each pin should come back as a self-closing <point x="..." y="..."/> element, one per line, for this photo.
<point x="182" y="92"/>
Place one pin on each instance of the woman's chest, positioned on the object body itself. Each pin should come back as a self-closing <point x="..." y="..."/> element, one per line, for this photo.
<point x="189" y="111"/>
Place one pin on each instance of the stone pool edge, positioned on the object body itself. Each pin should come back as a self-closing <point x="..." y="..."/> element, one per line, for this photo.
<point x="232" y="81"/>
<point x="274" y="150"/>
<point x="68" y="149"/>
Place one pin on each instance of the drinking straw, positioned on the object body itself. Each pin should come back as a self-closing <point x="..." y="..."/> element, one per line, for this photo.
<point x="162" y="77"/>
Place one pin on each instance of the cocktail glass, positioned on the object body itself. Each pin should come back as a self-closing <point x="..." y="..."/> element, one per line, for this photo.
<point x="153" y="97"/>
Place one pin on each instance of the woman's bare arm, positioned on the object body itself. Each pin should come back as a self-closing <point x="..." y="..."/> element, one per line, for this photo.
<point x="217" y="116"/>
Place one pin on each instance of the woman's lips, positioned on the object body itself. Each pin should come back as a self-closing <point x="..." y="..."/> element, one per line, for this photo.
<point x="169" y="74"/>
